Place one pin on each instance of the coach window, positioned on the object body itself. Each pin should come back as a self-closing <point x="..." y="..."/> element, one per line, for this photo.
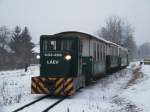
<point x="94" y="51"/>
<point x="110" y="50"/>
<point x="98" y="51"/>
<point x="119" y="52"/>
<point x="81" y="47"/>
<point x="101" y="52"/>
<point x="114" y="51"/>
<point x="104" y="52"/>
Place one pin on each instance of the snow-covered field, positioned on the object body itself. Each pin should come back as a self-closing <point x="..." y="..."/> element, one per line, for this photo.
<point x="15" y="86"/>
<point x="125" y="91"/>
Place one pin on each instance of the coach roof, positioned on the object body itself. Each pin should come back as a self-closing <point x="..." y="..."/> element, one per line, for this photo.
<point x="82" y="35"/>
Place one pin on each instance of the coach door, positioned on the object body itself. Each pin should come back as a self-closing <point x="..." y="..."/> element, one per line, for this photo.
<point x="87" y="66"/>
<point x="87" y="63"/>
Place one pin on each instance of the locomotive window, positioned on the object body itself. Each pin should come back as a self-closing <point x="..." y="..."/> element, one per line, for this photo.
<point x="67" y="45"/>
<point x="49" y="45"/>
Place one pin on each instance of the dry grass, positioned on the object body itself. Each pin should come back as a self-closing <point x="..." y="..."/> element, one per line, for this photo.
<point x="136" y="75"/>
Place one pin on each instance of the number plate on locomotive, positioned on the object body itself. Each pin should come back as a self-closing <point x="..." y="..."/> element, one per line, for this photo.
<point x="53" y="54"/>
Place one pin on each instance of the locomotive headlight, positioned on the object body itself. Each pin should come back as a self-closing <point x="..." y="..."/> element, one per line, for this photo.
<point x="38" y="57"/>
<point x="68" y="57"/>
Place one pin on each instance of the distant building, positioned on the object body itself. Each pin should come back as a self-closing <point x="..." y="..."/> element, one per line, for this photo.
<point x="36" y="51"/>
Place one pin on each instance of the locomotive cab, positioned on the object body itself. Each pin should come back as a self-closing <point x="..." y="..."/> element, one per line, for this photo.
<point x="59" y="56"/>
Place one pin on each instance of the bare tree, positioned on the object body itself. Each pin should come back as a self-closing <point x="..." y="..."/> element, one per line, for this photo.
<point x="113" y="30"/>
<point x="4" y="36"/>
<point x="144" y="50"/>
<point x="119" y="32"/>
<point x="130" y="44"/>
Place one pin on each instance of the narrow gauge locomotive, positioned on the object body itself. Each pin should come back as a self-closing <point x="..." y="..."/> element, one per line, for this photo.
<point x="70" y="60"/>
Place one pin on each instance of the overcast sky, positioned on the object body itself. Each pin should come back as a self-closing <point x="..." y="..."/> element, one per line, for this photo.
<point x="53" y="16"/>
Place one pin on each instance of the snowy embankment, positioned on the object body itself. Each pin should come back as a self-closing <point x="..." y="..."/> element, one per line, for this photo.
<point x="139" y="92"/>
<point x="124" y="91"/>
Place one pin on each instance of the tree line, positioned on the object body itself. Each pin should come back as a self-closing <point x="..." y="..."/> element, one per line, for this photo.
<point x="15" y="48"/>
<point x="121" y="32"/>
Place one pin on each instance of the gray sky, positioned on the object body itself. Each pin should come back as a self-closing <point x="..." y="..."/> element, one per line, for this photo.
<point x="53" y="16"/>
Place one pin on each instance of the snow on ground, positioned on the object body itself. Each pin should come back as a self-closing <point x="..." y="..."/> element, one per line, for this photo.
<point x="15" y="85"/>
<point x="140" y="91"/>
<point x="118" y="92"/>
<point x="99" y="97"/>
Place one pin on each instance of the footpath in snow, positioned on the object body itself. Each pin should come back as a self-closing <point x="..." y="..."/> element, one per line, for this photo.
<point x="125" y="91"/>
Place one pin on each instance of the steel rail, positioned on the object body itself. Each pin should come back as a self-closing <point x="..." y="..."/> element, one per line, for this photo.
<point x="29" y="104"/>
<point x="54" y="104"/>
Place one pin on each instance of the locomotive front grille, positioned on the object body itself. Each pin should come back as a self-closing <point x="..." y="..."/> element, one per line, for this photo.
<point x="52" y="86"/>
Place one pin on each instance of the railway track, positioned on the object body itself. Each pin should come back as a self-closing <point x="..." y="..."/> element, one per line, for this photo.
<point x="54" y="104"/>
<point x="44" y="110"/>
